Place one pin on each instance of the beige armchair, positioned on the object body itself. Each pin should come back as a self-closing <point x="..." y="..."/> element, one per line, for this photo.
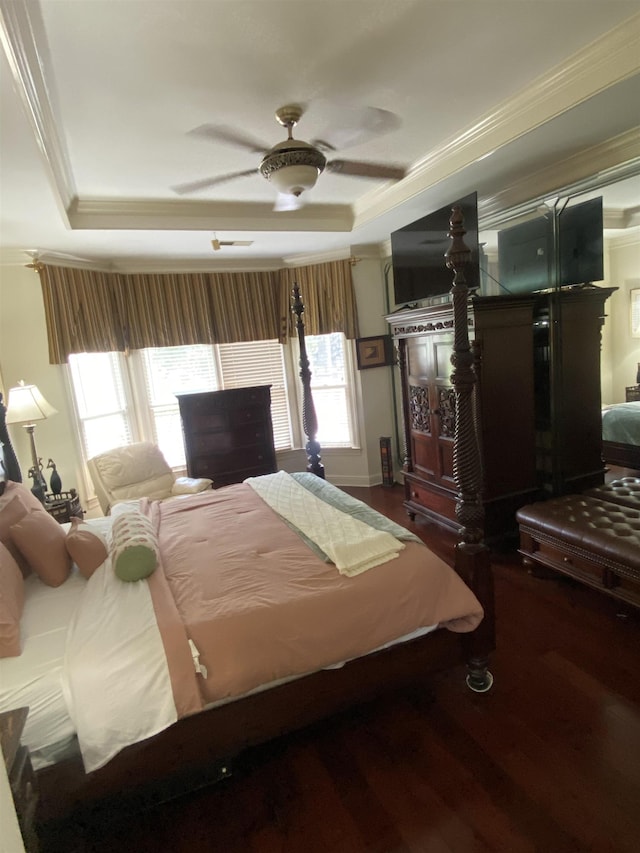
<point x="138" y="471"/>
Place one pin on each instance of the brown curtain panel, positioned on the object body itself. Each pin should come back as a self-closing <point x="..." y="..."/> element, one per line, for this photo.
<point x="245" y="307"/>
<point x="91" y="311"/>
<point x="167" y="310"/>
<point x="83" y="311"/>
<point x="327" y="293"/>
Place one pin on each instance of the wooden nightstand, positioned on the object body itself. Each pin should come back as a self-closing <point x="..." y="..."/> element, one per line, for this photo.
<point x="21" y="776"/>
<point x="632" y="393"/>
<point x="64" y="507"/>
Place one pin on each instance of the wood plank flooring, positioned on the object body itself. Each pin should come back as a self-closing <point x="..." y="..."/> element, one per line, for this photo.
<point x="548" y="761"/>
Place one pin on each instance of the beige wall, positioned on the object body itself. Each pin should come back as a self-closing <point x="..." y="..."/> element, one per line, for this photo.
<point x="24" y="355"/>
<point x="620" y="352"/>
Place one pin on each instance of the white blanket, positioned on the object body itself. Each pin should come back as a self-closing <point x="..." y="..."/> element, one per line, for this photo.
<point x="352" y="545"/>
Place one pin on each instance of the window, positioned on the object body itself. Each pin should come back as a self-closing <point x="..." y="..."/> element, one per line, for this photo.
<point x="101" y="402"/>
<point x="169" y="371"/>
<point x="120" y="399"/>
<point x="330" y="387"/>
<point x="260" y="363"/>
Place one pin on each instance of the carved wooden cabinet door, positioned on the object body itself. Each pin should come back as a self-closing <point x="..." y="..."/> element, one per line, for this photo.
<point x="431" y="406"/>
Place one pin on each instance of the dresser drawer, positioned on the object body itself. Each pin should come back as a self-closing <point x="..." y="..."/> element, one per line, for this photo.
<point x="225" y="420"/>
<point x="215" y="464"/>
<point x="433" y="500"/>
<point x="227" y="478"/>
<point x="244" y="435"/>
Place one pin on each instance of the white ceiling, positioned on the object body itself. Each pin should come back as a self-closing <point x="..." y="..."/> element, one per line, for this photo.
<point x="514" y="98"/>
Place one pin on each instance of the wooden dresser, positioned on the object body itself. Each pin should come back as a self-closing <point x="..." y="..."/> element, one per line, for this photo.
<point x="632" y="394"/>
<point x="228" y="435"/>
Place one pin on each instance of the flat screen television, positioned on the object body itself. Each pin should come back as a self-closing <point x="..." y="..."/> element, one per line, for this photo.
<point x="580" y="243"/>
<point x="528" y="252"/>
<point x="525" y="256"/>
<point x="418" y="249"/>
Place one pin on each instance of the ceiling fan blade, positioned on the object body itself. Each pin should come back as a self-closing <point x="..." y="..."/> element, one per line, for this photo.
<point x="322" y="144"/>
<point x="285" y="201"/>
<point x="222" y="133"/>
<point x="355" y="125"/>
<point x="205" y="183"/>
<point x="366" y="170"/>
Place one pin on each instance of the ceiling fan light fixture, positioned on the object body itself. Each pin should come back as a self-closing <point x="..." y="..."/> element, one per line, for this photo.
<point x="294" y="180"/>
<point x="293" y="167"/>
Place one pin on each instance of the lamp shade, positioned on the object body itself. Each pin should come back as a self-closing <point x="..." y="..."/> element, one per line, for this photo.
<point x="27" y="405"/>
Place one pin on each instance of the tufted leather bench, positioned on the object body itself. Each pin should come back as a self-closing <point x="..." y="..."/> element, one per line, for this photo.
<point x="625" y="491"/>
<point x="593" y="540"/>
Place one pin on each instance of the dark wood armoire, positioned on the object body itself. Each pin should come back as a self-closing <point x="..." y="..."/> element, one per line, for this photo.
<point x="537" y="401"/>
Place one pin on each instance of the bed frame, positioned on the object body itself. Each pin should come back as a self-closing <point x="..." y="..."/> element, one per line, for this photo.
<point x="199" y="749"/>
<point x="624" y="455"/>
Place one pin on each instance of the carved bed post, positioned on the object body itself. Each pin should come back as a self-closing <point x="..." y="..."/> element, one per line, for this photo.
<point x="472" y="560"/>
<point x="309" y="419"/>
<point x="10" y="463"/>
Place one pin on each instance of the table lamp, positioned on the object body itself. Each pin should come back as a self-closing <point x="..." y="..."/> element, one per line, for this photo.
<point x="26" y="405"/>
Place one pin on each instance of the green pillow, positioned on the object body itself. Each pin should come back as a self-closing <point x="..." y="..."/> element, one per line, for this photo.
<point x="134" y="551"/>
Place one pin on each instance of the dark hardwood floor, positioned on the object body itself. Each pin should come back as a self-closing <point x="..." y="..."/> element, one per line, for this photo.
<point x="548" y="761"/>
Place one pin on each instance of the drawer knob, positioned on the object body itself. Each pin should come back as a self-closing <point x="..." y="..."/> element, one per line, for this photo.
<point x="567" y="560"/>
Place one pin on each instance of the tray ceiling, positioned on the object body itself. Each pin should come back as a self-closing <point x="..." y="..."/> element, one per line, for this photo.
<point x="513" y="99"/>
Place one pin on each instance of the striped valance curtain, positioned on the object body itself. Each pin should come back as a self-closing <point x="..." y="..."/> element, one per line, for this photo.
<point x="92" y="311"/>
<point x="83" y="311"/>
<point x="328" y="297"/>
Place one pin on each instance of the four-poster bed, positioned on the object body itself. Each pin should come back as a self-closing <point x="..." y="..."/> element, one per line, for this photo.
<point x="200" y="745"/>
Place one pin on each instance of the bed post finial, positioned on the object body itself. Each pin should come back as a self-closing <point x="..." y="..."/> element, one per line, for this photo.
<point x="309" y="419"/>
<point x="472" y="560"/>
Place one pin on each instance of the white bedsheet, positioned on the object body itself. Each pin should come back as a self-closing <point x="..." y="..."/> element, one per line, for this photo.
<point x="34" y="679"/>
<point x="127" y="696"/>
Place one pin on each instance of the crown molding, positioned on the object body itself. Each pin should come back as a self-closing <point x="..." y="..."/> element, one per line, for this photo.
<point x="25" y="45"/>
<point x="163" y="215"/>
<point x="610" y="161"/>
<point x="304" y="260"/>
<point x="625" y="240"/>
<point x="612" y="58"/>
<point x="179" y="265"/>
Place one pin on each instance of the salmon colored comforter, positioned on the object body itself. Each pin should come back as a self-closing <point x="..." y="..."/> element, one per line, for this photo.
<point x="259" y="605"/>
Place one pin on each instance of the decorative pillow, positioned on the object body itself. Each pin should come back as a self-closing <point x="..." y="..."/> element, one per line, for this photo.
<point x="86" y="546"/>
<point x="41" y="541"/>
<point x="190" y="485"/>
<point x="134" y="552"/>
<point x="11" y="604"/>
<point x="16" y="501"/>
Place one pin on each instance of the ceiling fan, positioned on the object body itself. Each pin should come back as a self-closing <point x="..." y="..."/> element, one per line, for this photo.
<point x="292" y="166"/>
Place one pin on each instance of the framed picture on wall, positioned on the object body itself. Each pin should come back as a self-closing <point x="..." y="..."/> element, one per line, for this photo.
<point x="635" y="312"/>
<point x="375" y="351"/>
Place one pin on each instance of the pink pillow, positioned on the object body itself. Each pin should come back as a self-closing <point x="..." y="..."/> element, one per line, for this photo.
<point x="41" y="541"/>
<point x="15" y="502"/>
<point x="11" y="604"/>
<point x="87" y="548"/>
